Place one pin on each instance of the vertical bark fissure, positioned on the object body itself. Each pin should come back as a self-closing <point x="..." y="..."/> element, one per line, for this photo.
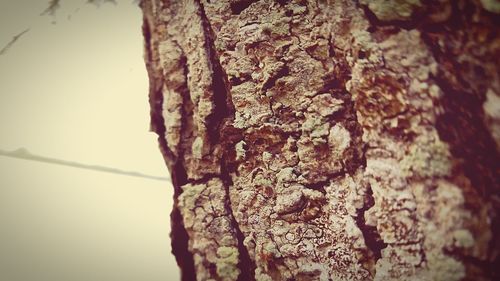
<point x="245" y="265"/>
<point x="224" y="111"/>
<point x="179" y="235"/>
<point x="372" y="238"/>
<point x="222" y="104"/>
<point x="478" y="151"/>
<point x="463" y="108"/>
<point x="456" y="102"/>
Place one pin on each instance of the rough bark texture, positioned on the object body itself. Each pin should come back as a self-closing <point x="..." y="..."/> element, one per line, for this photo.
<point x="329" y="140"/>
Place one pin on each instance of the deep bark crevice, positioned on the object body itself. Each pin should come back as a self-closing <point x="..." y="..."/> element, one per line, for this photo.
<point x="356" y="159"/>
<point x="178" y="234"/>
<point x="223" y="108"/>
<point x="239" y="6"/>
<point x="223" y="112"/>
<point x="245" y="265"/>
<point x="320" y="185"/>
<point x="478" y="151"/>
<point x="462" y="127"/>
<point x="336" y="84"/>
<point x="372" y="238"/>
<point x="180" y="237"/>
<point x="284" y="71"/>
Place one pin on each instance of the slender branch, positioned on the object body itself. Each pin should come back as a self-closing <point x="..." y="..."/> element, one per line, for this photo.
<point x="97" y="2"/>
<point x="51" y="9"/>
<point x="24" y="154"/>
<point x="14" y="39"/>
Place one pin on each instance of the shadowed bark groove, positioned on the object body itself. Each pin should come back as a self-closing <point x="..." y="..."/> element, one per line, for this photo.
<point x="178" y="174"/>
<point x="465" y="84"/>
<point x="237" y="6"/>
<point x="372" y="237"/>
<point x="329" y="140"/>
<point x="224" y="113"/>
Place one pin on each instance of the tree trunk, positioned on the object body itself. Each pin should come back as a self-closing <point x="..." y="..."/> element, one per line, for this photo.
<point x="329" y="140"/>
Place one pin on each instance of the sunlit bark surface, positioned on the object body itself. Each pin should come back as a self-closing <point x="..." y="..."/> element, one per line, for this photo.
<point x="329" y="140"/>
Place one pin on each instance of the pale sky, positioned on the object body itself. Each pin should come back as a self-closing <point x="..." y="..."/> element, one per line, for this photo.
<point x="77" y="90"/>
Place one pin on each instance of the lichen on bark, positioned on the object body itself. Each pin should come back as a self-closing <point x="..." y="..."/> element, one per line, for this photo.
<point x="328" y="140"/>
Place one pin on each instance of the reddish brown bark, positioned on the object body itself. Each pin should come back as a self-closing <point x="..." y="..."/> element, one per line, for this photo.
<point x="329" y="140"/>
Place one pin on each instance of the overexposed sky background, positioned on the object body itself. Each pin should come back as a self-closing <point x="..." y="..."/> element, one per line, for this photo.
<point x="74" y="87"/>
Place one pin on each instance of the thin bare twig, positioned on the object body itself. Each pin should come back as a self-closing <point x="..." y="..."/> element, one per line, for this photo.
<point x="97" y="2"/>
<point x="24" y="154"/>
<point x="14" y="39"/>
<point x="51" y="9"/>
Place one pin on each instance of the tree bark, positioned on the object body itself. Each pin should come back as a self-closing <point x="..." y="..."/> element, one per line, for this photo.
<point x="329" y="140"/>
